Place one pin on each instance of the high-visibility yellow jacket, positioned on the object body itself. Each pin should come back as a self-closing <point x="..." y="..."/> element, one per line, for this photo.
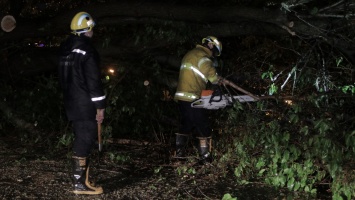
<point x="195" y="71"/>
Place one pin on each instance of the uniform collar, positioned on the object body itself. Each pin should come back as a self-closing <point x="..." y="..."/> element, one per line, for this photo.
<point x="205" y="49"/>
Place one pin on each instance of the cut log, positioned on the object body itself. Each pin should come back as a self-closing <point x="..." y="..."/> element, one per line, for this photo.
<point x="8" y="23"/>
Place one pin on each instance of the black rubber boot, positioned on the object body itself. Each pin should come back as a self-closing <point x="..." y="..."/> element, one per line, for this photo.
<point x="204" y="150"/>
<point x="81" y="177"/>
<point x="181" y="145"/>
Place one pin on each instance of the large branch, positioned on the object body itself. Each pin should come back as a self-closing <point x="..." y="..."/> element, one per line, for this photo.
<point x="220" y="21"/>
<point x="15" y="120"/>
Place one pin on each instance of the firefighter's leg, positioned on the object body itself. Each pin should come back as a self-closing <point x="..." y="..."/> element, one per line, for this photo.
<point x="186" y="126"/>
<point x="205" y="149"/>
<point x="85" y="137"/>
<point x="204" y="139"/>
<point x="181" y="143"/>
<point x="81" y="177"/>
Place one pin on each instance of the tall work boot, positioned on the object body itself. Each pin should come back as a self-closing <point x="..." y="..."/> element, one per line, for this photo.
<point x="181" y="145"/>
<point x="81" y="177"/>
<point x="204" y="150"/>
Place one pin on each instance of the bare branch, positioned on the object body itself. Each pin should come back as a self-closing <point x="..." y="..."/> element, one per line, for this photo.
<point x="331" y="6"/>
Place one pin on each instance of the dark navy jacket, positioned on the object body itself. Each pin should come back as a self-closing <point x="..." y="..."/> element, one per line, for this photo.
<point x="80" y="78"/>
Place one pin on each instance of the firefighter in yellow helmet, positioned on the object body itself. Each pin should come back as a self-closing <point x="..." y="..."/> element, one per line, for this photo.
<point x="84" y="98"/>
<point x="196" y="71"/>
<point x="82" y="22"/>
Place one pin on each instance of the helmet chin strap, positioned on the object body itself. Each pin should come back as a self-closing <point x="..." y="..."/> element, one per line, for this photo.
<point x="215" y="51"/>
<point x="212" y="48"/>
<point x="78" y="33"/>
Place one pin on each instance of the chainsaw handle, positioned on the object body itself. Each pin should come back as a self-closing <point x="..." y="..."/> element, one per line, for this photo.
<point x="197" y="104"/>
<point x="213" y="95"/>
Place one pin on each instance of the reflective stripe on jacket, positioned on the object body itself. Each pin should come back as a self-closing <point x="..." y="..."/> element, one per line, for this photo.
<point x="195" y="71"/>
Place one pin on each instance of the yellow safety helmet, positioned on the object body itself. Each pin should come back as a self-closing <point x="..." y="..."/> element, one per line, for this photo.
<point x="82" y="22"/>
<point x="215" y="42"/>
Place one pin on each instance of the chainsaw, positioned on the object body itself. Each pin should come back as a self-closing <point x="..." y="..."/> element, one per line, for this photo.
<point x="214" y="100"/>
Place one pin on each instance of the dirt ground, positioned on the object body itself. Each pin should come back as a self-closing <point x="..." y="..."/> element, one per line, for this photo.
<point x="133" y="172"/>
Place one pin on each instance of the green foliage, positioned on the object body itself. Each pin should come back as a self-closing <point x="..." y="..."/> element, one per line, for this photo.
<point x="298" y="145"/>
<point x="348" y="89"/>
<point x="229" y="197"/>
<point x="66" y="140"/>
<point x="343" y="186"/>
<point x="270" y="75"/>
<point x="117" y="157"/>
<point x="185" y="170"/>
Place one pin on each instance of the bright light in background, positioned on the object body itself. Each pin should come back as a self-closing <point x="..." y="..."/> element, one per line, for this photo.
<point x="289" y="102"/>
<point x="112" y="71"/>
<point x="146" y="83"/>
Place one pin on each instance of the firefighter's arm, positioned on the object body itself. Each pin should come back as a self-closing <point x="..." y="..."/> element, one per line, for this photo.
<point x="210" y="72"/>
<point x="218" y="80"/>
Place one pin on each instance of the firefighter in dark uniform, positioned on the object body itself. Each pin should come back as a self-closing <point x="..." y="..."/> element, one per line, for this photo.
<point x="196" y="71"/>
<point x="84" y="98"/>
